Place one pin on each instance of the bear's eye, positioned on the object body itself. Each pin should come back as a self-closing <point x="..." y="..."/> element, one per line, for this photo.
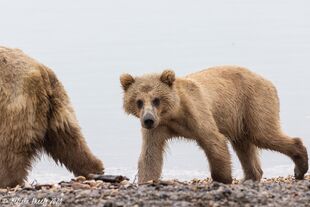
<point x="156" y="102"/>
<point x="139" y="103"/>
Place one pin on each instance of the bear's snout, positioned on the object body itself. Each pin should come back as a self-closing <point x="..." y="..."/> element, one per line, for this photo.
<point x="148" y="121"/>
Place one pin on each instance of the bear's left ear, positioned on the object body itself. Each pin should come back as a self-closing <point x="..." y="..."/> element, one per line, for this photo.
<point x="126" y="81"/>
<point x="168" y="77"/>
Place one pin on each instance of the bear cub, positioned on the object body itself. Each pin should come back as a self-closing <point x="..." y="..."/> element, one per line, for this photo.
<point x="211" y="107"/>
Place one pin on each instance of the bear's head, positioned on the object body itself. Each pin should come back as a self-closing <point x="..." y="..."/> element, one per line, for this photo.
<point x="151" y="97"/>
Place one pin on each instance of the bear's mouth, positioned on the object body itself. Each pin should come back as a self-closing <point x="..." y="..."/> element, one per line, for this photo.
<point x="149" y="127"/>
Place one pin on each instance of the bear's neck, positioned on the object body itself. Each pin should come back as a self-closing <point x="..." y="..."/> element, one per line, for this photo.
<point x="183" y="107"/>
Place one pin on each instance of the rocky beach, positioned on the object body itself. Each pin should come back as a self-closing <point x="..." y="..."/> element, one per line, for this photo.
<point x="281" y="191"/>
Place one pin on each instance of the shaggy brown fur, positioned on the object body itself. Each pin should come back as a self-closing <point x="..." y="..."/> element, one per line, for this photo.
<point x="210" y="107"/>
<point x="36" y="114"/>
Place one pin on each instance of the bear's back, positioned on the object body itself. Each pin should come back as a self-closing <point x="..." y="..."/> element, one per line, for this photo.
<point x="231" y="82"/>
<point x="231" y="92"/>
<point x="15" y="69"/>
<point x="23" y="96"/>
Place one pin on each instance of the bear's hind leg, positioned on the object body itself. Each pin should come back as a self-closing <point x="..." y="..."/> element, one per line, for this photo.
<point x="68" y="147"/>
<point x="292" y="147"/>
<point x="249" y="159"/>
<point x="262" y="123"/>
<point x="64" y="141"/>
<point x="14" y="168"/>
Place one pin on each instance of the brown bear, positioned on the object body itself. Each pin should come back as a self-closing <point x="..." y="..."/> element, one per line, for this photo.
<point x="36" y="115"/>
<point x="212" y="106"/>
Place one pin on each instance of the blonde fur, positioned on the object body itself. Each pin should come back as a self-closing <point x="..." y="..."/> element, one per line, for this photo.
<point x="227" y="103"/>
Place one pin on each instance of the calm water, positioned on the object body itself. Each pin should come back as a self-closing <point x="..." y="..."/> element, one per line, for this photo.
<point x="90" y="43"/>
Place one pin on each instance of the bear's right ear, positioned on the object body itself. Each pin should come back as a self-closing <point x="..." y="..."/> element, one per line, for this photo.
<point x="126" y="80"/>
<point x="168" y="77"/>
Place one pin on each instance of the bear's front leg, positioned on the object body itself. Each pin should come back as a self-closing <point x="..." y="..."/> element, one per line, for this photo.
<point x="151" y="157"/>
<point x="215" y="147"/>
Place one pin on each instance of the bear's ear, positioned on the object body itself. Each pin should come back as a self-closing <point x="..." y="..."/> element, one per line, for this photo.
<point x="168" y="77"/>
<point x="126" y="80"/>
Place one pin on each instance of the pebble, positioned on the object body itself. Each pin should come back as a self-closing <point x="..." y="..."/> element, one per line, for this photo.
<point x="80" y="186"/>
<point x="79" y="179"/>
<point x="91" y="183"/>
<point x="2" y="190"/>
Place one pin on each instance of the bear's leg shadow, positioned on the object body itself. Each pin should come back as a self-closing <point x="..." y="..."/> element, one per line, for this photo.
<point x="64" y="141"/>
<point x="151" y="157"/>
<point x="292" y="147"/>
<point x="216" y="150"/>
<point x="249" y="159"/>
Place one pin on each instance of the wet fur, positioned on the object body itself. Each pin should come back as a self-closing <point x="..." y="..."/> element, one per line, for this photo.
<point x="36" y="115"/>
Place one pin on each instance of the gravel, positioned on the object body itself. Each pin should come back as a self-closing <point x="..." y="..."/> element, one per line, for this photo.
<point x="81" y="192"/>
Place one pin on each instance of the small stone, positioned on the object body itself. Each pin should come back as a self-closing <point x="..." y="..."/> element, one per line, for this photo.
<point x="80" y="186"/>
<point x="56" y="186"/>
<point x="27" y="186"/>
<point x="114" y="192"/>
<point x="80" y="179"/>
<point x="3" y="190"/>
<point x="108" y="204"/>
<point x="17" y="188"/>
<point x="166" y="182"/>
<point x="126" y="184"/>
<point x="91" y="183"/>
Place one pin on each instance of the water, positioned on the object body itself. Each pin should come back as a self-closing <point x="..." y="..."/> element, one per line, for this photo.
<point x="90" y="43"/>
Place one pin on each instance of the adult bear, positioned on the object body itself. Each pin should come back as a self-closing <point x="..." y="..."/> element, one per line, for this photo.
<point x="36" y="115"/>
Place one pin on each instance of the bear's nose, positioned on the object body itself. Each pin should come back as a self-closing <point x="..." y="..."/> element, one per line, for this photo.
<point x="148" y="121"/>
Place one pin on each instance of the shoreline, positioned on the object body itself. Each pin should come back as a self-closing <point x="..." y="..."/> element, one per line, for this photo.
<point x="277" y="191"/>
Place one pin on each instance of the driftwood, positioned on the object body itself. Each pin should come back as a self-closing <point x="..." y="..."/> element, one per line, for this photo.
<point x="107" y="178"/>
